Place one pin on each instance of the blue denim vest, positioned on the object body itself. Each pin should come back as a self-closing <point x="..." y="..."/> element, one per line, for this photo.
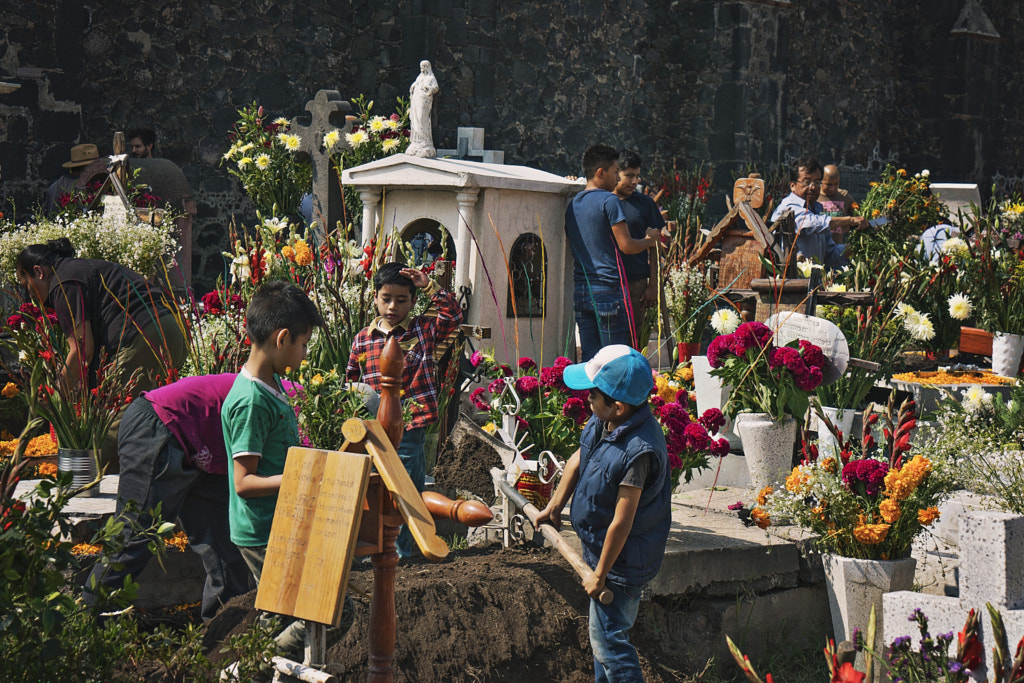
<point x="604" y="461"/>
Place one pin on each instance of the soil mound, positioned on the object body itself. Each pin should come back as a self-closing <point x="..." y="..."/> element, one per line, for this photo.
<point x="516" y="615"/>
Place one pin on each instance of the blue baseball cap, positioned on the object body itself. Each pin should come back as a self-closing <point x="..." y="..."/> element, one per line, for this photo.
<point x="618" y="370"/>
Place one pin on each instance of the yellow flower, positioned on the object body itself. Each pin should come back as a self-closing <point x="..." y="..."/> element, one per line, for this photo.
<point x="684" y="373"/>
<point x="377" y="124"/>
<point x="361" y="357"/>
<point x="870" y="534"/>
<point x="890" y="510"/>
<point x="288" y="253"/>
<point x="331" y="139"/>
<point x="900" y="484"/>
<point x="761" y="518"/>
<point x="47" y="469"/>
<point x="291" y="142"/>
<point x="263" y="162"/>
<point x="357" y="138"/>
<point x="281" y="121"/>
<point x="829" y="465"/>
<point x="762" y="496"/>
<point x="304" y="364"/>
<point x="903" y="172"/>
<point x="303" y="254"/>
<point x="10" y="390"/>
<point x="490" y="428"/>
<point x="797" y="480"/>
<point x="317" y="380"/>
<point x="243" y="162"/>
<point x="928" y="515"/>
<point x="665" y="390"/>
<point x="389" y="145"/>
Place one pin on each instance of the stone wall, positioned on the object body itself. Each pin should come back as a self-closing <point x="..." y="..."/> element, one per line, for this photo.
<point x="733" y="82"/>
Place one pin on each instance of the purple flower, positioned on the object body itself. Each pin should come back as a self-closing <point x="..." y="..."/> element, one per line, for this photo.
<point x="476" y="359"/>
<point x="526" y="385"/>
<point x="738" y="505"/>
<point x="719" y="448"/>
<point x="496" y="386"/>
<point x="527" y="364"/>
<point x="719" y="348"/>
<point x="812" y="354"/>
<point x="712" y="419"/>
<point x="476" y="398"/>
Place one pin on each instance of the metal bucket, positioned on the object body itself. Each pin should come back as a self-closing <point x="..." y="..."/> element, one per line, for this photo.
<point x="81" y="463"/>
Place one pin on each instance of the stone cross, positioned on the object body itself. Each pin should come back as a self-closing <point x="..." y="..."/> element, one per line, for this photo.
<point x="991" y="570"/>
<point x="327" y="112"/>
<point x="470" y="147"/>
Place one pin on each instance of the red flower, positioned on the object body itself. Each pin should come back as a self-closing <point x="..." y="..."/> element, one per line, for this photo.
<point x="847" y="674"/>
<point x="46" y="355"/>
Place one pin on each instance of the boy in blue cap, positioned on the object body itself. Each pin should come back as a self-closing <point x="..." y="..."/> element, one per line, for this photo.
<point x="621" y="488"/>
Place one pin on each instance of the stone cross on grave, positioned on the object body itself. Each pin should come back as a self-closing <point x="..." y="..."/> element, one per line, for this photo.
<point x="991" y="548"/>
<point x="470" y="147"/>
<point x="327" y="112"/>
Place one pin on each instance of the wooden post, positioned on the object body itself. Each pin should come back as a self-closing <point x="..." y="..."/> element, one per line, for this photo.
<point x="382" y="613"/>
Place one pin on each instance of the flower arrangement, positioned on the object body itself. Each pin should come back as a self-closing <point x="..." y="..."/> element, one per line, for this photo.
<point x="765" y="378"/>
<point x="935" y="305"/>
<point x="690" y="441"/>
<point x="262" y="157"/>
<point x="906" y="201"/>
<point x="688" y="298"/>
<point x="1010" y="223"/>
<point x="323" y="402"/>
<point x="142" y="247"/>
<point x="869" y="504"/>
<point x="684" y="196"/>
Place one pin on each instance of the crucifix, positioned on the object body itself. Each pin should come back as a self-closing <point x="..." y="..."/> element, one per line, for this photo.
<point x="327" y="112"/>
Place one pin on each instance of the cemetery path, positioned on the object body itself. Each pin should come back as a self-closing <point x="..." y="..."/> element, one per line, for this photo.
<point x="516" y="615"/>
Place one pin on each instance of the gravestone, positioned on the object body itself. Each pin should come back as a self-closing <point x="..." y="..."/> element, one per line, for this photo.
<point x="469" y="145"/>
<point x="313" y="537"/>
<point x="818" y="331"/>
<point x="991" y="571"/>
<point x="958" y="198"/>
<point x="327" y="112"/>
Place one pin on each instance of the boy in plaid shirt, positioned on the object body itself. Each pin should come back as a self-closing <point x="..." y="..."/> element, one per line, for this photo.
<point x="395" y="288"/>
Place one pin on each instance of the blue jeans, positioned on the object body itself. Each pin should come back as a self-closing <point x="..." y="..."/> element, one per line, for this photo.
<point x="414" y="459"/>
<point x="602" y="317"/>
<point x="615" y="659"/>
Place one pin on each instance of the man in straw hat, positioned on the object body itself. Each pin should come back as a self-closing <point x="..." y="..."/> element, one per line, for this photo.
<point x="81" y="156"/>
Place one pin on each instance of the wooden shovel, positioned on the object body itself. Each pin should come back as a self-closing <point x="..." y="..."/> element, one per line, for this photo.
<point x="549" y="532"/>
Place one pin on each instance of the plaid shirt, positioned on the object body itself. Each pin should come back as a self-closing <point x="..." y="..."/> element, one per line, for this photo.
<point x="419" y="337"/>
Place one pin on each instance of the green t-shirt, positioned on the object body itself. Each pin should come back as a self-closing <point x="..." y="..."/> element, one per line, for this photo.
<point x="257" y="420"/>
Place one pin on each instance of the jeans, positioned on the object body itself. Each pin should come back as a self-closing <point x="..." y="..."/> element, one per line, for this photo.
<point x="414" y="459"/>
<point x="615" y="659"/>
<point x="603" y="318"/>
<point x="153" y="471"/>
<point x="291" y="641"/>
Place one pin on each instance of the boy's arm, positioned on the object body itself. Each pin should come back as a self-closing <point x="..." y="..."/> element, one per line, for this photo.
<point x="628" y="245"/>
<point x="552" y="512"/>
<point x="248" y="484"/>
<point x="615" y="539"/>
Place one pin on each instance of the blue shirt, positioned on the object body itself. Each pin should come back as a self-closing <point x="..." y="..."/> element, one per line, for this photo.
<point x="813" y="236"/>
<point x="641" y="213"/>
<point x="588" y="225"/>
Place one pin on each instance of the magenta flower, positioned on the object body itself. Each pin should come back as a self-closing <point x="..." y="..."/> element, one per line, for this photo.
<point x="696" y="436"/>
<point x="506" y="370"/>
<point x="527" y="364"/>
<point x="810" y="380"/>
<point x="526" y="385"/>
<point x="16" y="322"/>
<point x="576" y="409"/>
<point x="719" y="448"/>
<point x="712" y="419"/>
<point x="674" y="461"/>
<point x="476" y="398"/>
<point x="738" y="505"/>
<point x="496" y="386"/>
<point x="476" y="359"/>
<point x="682" y="397"/>
<point x="812" y="355"/>
<point x="719" y="349"/>
<point x="552" y="377"/>
<point x="562" y="362"/>
<point x="29" y="309"/>
<point x="866" y="473"/>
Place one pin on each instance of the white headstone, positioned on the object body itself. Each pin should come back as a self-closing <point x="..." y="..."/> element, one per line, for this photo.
<point x="818" y="331"/>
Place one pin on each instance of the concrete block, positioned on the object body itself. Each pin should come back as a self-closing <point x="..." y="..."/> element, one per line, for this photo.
<point x="855" y="586"/>
<point x="992" y="548"/>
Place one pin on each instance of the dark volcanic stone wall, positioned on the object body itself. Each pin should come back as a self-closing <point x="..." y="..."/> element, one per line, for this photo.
<point x="731" y="82"/>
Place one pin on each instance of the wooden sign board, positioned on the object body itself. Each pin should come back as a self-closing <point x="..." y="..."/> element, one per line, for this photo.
<point x="313" y="536"/>
<point x="818" y="331"/>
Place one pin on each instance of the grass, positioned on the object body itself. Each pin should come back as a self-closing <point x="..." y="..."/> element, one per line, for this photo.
<point x="794" y="666"/>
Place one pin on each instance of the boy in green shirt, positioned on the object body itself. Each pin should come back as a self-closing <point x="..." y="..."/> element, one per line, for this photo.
<point x="260" y="425"/>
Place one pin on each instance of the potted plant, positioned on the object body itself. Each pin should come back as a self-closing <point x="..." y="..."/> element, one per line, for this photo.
<point x="688" y="301"/>
<point x="865" y="505"/>
<point x="1000" y="274"/>
<point x="770" y="389"/>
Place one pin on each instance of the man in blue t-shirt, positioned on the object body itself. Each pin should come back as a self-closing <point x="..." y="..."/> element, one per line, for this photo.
<point x="595" y="225"/>
<point x="641" y="269"/>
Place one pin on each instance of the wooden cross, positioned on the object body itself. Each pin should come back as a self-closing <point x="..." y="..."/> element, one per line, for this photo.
<point x="327" y="112"/>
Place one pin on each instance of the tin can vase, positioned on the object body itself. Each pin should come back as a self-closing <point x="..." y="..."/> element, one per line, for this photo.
<point x="81" y="463"/>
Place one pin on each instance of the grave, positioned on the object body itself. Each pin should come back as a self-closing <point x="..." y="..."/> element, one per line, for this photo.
<point x="470" y="147"/>
<point x="958" y="198"/>
<point x="513" y="267"/>
<point x="991" y="549"/>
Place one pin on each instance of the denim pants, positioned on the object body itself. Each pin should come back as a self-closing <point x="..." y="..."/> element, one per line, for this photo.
<point x="414" y="459"/>
<point x="603" y="318"/>
<point x="153" y="470"/>
<point x="615" y="659"/>
<point x="291" y="641"/>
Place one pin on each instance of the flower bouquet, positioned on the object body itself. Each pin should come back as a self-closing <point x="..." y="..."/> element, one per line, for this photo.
<point x="1010" y="223"/>
<point x="690" y="440"/>
<point x="688" y="301"/>
<point x="908" y="204"/>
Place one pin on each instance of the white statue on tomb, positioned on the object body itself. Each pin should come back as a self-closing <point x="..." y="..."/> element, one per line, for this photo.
<point x="421" y="92"/>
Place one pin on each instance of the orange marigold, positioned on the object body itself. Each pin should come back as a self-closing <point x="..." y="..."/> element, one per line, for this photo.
<point x="47" y="469"/>
<point x="890" y="510"/>
<point x="288" y="253"/>
<point x="760" y="518"/>
<point x="901" y="483"/>
<point x="303" y="254"/>
<point x="871" y="534"/>
<point x="762" y="495"/>
<point x="797" y="480"/>
<point x="86" y="549"/>
<point x="927" y="515"/>
<point x="10" y="390"/>
<point x="829" y="465"/>
<point x="179" y="540"/>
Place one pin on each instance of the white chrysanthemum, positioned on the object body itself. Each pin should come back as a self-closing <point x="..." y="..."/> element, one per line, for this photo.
<point x="331" y="139"/>
<point x="357" y="138"/>
<point x="804" y="268"/>
<point x="389" y="145"/>
<point x="836" y="288"/>
<point x="960" y="307"/>
<point x="292" y="142"/>
<point x="725" y="321"/>
<point x="263" y="162"/>
<point x="391" y="124"/>
<point x="925" y="173"/>
<point x="282" y="138"/>
<point x="281" y="121"/>
<point x="919" y="325"/>
<point x="903" y="309"/>
<point x="377" y="124"/>
<point x="243" y="162"/>
<point x="954" y="245"/>
<point x="976" y="398"/>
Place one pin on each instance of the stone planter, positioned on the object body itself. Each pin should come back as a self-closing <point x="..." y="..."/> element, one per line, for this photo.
<point x="81" y="463"/>
<point x="855" y="585"/>
<point x="767" y="446"/>
<point x="1007" y="350"/>
<point x="712" y="394"/>
<point x="841" y="418"/>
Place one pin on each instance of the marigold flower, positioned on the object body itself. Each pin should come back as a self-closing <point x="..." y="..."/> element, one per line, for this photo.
<point x="890" y="510"/>
<point x="288" y="253"/>
<point x="47" y="469"/>
<point x="870" y="534"/>
<point x="830" y="465"/>
<point x="797" y="480"/>
<point x="901" y="483"/>
<point x="762" y="495"/>
<point x="761" y="518"/>
<point x="927" y="515"/>
<point x="303" y="254"/>
<point x="10" y="390"/>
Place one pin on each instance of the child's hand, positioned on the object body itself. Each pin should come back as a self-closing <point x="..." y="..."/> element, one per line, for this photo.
<point x="593" y="584"/>
<point x="418" y="277"/>
<point x="549" y="515"/>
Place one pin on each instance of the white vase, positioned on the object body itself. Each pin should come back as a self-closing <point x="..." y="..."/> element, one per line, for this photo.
<point x="767" y="447"/>
<point x="855" y="585"/>
<point x="841" y="418"/>
<point x="1006" y="353"/>
<point x="711" y="393"/>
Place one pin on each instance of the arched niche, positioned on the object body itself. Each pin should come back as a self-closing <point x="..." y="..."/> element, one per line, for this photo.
<point x="428" y="240"/>
<point x="527" y="295"/>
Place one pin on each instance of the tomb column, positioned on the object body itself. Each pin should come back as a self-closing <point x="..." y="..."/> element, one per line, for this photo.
<point x="370" y="197"/>
<point x="464" y="275"/>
